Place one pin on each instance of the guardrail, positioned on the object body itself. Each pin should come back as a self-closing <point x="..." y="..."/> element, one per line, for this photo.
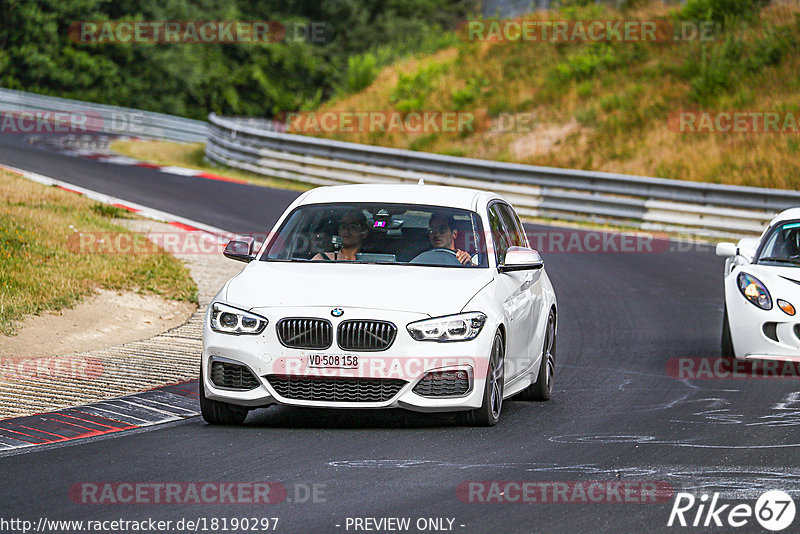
<point x="101" y="118"/>
<point x="512" y="8"/>
<point x="654" y="204"/>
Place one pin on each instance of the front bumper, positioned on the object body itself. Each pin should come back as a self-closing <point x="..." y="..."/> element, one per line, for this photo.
<point x="407" y="360"/>
<point x="760" y="334"/>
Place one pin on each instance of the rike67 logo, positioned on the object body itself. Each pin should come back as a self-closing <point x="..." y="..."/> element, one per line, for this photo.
<point x="774" y="510"/>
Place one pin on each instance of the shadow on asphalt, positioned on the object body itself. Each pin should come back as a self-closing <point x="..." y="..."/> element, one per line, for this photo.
<point x="308" y="418"/>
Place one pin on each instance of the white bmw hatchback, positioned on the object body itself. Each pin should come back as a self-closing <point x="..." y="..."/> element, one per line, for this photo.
<point x="762" y="288"/>
<point x="420" y="297"/>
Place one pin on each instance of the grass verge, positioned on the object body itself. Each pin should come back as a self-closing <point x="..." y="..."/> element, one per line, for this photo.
<point x="39" y="270"/>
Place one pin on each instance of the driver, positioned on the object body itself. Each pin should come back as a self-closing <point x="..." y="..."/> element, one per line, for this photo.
<point x="353" y="230"/>
<point x="791" y="245"/>
<point x="442" y="234"/>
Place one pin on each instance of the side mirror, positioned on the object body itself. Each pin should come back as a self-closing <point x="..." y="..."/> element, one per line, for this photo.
<point x="727" y="250"/>
<point x="747" y="248"/>
<point x="240" y="249"/>
<point x="521" y="259"/>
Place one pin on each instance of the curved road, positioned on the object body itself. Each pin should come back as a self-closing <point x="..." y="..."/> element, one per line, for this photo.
<point x="619" y="413"/>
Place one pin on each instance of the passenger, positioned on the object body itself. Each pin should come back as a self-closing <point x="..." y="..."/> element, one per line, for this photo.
<point x="319" y="241"/>
<point x="353" y="229"/>
<point x="442" y="234"/>
<point x="790" y="248"/>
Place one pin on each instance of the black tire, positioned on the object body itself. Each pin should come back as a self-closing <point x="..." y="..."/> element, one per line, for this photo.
<point x="220" y="413"/>
<point x="489" y="412"/>
<point x="726" y="342"/>
<point x="542" y="389"/>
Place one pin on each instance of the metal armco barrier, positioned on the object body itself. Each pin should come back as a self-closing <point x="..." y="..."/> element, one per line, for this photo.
<point x="107" y="119"/>
<point x="654" y="204"/>
<point x="511" y="8"/>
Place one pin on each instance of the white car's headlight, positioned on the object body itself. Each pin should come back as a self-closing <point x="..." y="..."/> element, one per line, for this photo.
<point x="754" y="290"/>
<point x="229" y="320"/>
<point x="461" y="327"/>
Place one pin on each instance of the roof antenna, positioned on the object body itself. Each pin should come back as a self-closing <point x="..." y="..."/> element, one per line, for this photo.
<point x="421" y="182"/>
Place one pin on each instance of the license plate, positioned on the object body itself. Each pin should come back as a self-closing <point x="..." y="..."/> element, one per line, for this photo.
<point x="333" y="361"/>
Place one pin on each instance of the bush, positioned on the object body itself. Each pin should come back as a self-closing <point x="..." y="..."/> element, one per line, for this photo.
<point x="501" y="105"/>
<point x="561" y="4"/>
<point x="721" y="66"/>
<point x="714" y="70"/>
<point x="721" y="10"/>
<point x="412" y="89"/>
<point x="771" y="49"/>
<point x="463" y="97"/>
<point x="361" y="72"/>
<point x="587" y="62"/>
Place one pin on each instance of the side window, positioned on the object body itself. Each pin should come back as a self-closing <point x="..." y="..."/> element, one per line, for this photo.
<point x="501" y="240"/>
<point x="513" y="225"/>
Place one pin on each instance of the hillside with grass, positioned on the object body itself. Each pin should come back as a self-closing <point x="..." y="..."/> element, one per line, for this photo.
<point x="611" y="106"/>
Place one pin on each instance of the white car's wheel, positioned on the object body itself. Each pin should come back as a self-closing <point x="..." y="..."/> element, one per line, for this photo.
<point x="542" y="389"/>
<point x="489" y="412"/>
<point x="220" y="413"/>
<point x="726" y="343"/>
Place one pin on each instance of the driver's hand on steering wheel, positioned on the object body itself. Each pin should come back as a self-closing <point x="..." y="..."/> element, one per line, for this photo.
<point x="463" y="257"/>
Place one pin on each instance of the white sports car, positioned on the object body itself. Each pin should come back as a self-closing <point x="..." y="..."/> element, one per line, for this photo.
<point x="762" y="288"/>
<point x="420" y="297"/>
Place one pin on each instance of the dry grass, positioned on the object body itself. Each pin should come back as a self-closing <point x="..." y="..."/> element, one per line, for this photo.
<point x="192" y="156"/>
<point x="614" y="119"/>
<point x="39" y="270"/>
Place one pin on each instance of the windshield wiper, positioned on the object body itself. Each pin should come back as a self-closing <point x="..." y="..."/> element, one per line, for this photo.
<point x="781" y="260"/>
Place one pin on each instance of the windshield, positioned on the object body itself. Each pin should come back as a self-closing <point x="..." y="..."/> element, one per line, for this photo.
<point x="782" y="246"/>
<point x="380" y="233"/>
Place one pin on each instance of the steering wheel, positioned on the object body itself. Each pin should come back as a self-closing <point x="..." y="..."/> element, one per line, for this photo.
<point x="440" y="256"/>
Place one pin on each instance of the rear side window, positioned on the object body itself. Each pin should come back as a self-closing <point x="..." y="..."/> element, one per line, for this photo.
<point x="501" y="239"/>
<point x="513" y="225"/>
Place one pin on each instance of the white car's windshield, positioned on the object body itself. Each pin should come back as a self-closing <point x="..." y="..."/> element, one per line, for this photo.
<point x="380" y="233"/>
<point x="782" y="246"/>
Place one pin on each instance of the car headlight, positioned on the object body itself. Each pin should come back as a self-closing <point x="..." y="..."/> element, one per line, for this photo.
<point x="229" y="320"/>
<point x="461" y="327"/>
<point x="754" y="290"/>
